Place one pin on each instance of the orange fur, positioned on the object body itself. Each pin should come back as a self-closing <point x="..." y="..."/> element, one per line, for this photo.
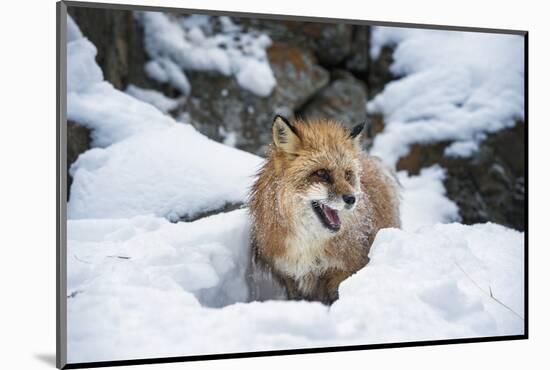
<point x="288" y="239"/>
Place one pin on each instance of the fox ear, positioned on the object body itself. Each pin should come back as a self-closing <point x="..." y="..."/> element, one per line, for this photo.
<point x="285" y="136"/>
<point x="356" y="131"/>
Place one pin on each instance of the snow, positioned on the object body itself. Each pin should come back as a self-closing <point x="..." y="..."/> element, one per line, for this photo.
<point x="153" y="97"/>
<point x="140" y="286"/>
<point x="144" y="161"/>
<point x="164" y="70"/>
<point x="470" y="85"/>
<point x="424" y="201"/>
<point x="82" y="70"/>
<point x="110" y="114"/>
<point x="144" y="287"/>
<point x="173" y="173"/>
<point x="189" y="43"/>
<point x="73" y="32"/>
<point x="461" y="149"/>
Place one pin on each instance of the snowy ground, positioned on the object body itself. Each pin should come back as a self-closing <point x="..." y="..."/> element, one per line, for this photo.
<point x="140" y="286"/>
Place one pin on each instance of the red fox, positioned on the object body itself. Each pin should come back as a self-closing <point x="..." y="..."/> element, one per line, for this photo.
<point x="317" y="205"/>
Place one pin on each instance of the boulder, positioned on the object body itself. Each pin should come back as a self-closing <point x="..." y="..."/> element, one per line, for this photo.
<point x="224" y="111"/>
<point x="490" y="185"/>
<point x="358" y="60"/>
<point x="330" y="42"/>
<point x="342" y="100"/>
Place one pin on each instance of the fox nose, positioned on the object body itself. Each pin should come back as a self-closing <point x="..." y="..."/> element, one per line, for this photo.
<point x="348" y="199"/>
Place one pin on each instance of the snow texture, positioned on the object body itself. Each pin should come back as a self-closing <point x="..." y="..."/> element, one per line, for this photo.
<point x="140" y="286"/>
<point x="467" y="86"/>
<point x="174" y="173"/>
<point x="164" y="70"/>
<point x="153" y="97"/>
<point x="189" y="43"/>
<point x="110" y="114"/>
<point x="425" y="192"/>
<point x="143" y="287"/>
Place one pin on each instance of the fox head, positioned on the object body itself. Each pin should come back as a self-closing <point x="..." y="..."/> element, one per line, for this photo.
<point x="318" y="165"/>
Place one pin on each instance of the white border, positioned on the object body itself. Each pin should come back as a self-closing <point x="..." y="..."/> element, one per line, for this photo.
<point x="28" y="182"/>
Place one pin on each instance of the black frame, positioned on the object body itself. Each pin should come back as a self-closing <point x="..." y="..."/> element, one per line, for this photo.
<point x="61" y="196"/>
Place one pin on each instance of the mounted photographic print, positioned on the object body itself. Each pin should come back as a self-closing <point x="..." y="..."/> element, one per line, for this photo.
<point x="234" y="184"/>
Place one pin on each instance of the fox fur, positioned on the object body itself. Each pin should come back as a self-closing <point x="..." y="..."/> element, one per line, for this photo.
<point x="317" y="205"/>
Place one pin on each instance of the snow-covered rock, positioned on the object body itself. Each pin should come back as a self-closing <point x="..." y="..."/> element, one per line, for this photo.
<point x="144" y="161"/>
<point x="454" y="86"/>
<point x="189" y="43"/>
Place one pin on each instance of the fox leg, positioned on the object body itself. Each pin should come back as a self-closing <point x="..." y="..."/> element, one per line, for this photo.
<point x="292" y="290"/>
<point x="332" y="282"/>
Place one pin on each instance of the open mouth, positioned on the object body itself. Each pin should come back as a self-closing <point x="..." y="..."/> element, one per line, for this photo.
<point x="328" y="216"/>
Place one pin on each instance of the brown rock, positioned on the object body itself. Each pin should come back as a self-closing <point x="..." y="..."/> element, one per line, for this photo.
<point x="218" y="105"/>
<point x="379" y="71"/>
<point x="489" y="185"/>
<point x="330" y="42"/>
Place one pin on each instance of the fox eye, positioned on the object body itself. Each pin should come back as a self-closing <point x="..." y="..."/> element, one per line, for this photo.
<point x="322" y="174"/>
<point x="349" y="176"/>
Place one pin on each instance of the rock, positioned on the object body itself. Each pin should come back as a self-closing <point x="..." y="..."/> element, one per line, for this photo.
<point x="358" y="60"/>
<point x="227" y="207"/>
<point x="119" y="42"/>
<point x="297" y="73"/>
<point x="421" y="156"/>
<point x="78" y="141"/>
<point x="375" y="125"/>
<point x="379" y="71"/>
<point x="489" y="185"/>
<point x="342" y="100"/>
<point x="330" y="42"/>
<point x="218" y="106"/>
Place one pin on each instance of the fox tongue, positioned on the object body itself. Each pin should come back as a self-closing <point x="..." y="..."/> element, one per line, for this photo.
<point x="331" y="215"/>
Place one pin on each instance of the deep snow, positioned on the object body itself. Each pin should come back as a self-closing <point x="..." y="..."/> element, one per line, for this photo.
<point x="140" y="286"/>
<point x="144" y="287"/>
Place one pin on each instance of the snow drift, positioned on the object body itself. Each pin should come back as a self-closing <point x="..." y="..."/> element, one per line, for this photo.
<point x="144" y="287"/>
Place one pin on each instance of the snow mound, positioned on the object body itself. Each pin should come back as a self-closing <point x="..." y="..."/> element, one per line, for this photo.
<point x="172" y="173"/>
<point x="144" y="287"/>
<point x="176" y="44"/>
<point x="469" y="85"/>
